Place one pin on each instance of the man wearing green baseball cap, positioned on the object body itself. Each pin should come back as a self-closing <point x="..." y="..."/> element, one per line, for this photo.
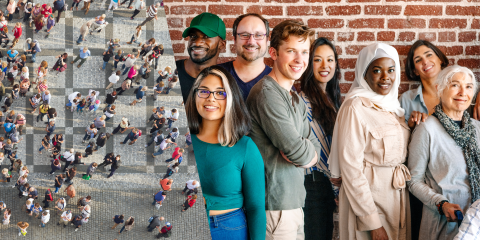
<point x="206" y="39"/>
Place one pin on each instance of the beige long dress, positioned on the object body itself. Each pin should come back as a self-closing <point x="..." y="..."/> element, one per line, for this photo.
<point x="370" y="148"/>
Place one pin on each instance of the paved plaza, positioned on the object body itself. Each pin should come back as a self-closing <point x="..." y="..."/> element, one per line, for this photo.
<point x="130" y="190"/>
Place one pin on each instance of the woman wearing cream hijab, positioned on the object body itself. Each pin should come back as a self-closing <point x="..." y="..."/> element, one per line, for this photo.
<point x="369" y="147"/>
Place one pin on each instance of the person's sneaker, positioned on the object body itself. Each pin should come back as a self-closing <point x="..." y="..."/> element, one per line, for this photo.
<point x="52" y="173"/>
<point x="76" y="229"/>
<point x="146" y="145"/>
<point x="83" y="141"/>
<point x="131" y="18"/>
<point x="64" y="226"/>
<point x="58" y="223"/>
<point x="72" y="224"/>
<point x="20" y="234"/>
<point x="13" y="186"/>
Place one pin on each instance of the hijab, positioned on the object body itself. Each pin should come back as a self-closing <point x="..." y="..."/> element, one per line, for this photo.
<point x="360" y="87"/>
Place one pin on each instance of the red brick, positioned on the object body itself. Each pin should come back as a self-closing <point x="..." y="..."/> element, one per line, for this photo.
<point x="344" y="87"/>
<point x="354" y="49"/>
<point x="472" y="50"/>
<point x="447" y="37"/>
<point x="241" y="0"/>
<point x="178" y="47"/>
<point x="180" y="58"/>
<point x="187" y="10"/>
<point x="402" y="49"/>
<point x="414" y="86"/>
<point x="429" y="36"/>
<point x="339" y="50"/>
<point x="467" y="36"/>
<point x="172" y="1"/>
<point x="266" y="10"/>
<point x="447" y="23"/>
<point x="176" y="35"/>
<point x="420" y="10"/>
<point x="477" y="76"/>
<point x="225" y="9"/>
<point x="322" y="1"/>
<point x="328" y="35"/>
<point x="443" y="0"/>
<point x="282" y="1"/>
<point x="349" y="76"/>
<point x="355" y="1"/>
<point x="175" y="22"/>
<point x="167" y="10"/>
<point x="386" y="36"/>
<point x="365" y="36"/>
<point x="403" y="88"/>
<point x="382" y="10"/>
<point x="406" y="36"/>
<point x="233" y="49"/>
<point x="469" y="63"/>
<point x="268" y="62"/>
<point x="272" y="22"/>
<point x="347" y="63"/>
<point x="463" y="11"/>
<point x="345" y="36"/>
<point x="406" y="23"/>
<point x="304" y="10"/>
<point x="451" y="62"/>
<point x="476" y="24"/>
<point x="229" y="36"/>
<point x="325" y="23"/>
<point x="403" y="77"/>
<point x="366" y="23"/>
<point x="451" y="51"/>
<point x="343" y="10"/>
<point x="225" y="59"/>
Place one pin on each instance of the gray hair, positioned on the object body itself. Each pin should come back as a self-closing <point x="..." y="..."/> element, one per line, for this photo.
<point x="445" y="77"/>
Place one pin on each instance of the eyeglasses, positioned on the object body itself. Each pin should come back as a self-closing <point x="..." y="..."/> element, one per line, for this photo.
<point x="256" y="36"/>
<point x="218" y="95"/>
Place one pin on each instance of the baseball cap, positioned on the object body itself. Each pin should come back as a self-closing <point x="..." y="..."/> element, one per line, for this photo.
<point x="208" y="23"/>
<point x="168" y="224"/>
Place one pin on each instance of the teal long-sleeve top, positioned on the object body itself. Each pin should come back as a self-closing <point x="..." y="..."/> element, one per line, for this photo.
<point x="233" y="177"/>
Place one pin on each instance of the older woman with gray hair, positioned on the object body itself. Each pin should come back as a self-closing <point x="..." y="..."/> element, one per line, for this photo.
<point x="444" y="156"/>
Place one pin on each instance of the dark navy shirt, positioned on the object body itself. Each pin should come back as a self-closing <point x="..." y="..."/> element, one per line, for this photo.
<point x="244" y="86"/>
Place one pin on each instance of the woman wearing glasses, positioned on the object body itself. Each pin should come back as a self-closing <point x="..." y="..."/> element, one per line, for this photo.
<point x="229" y="164"/>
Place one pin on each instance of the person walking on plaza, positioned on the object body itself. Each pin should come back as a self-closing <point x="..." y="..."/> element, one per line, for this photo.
<point x="172" y="117"/>
<point x="65" y="218"/>
<point x="128" y="224"/>
<point x="50" y="24"/>
<point x="17" y="33"/>
<point x="84" y="30"/>
<point x="55" y="165"/>
<point x="45" y="218"/>
<point x="155" y="222"/>
<point x="178" y="152"/>
<point x="48" y="199"/>
<point x="70" y="192"/>
<point x="90" y="133"/>
<point x="164" y="145"/>
<point x="77" y="222"/>
<point x="46" y="145"/>
<point x="36" y="210"/>
<point x="6" y="216"/>
<point x="130" y="62"/>
<point x="114" y="4"/>
<point x="151" y="13"/>
<point x="132" y="136"/>
<point x="22" y="228"/>
<point x="118" y="219"/>
<point x="106" y="57"/>
<point x="115" y="165"/>
<point x="166" y="231"/>
<point x="58" y="5"/>
<point x="189" y="202"/>
<point x="191" y="187"/>
<point x="86" y="6"/>
<point x="69" y="158"/>
<point x="166" y="184"/>
<point x="139" y="5"/>
<point x="102" y="140"/>
<point x="82" y="56"/>
<point x="58" y="182"/>
<point x="107" y="160"/>
<point x="113" y="79"/>
<point x="172" y="168"/>
<point x="157" y="137"/>
<point x="90" y="170"/>
<point x="70" y="174"/>
<point x="159" y="197"/>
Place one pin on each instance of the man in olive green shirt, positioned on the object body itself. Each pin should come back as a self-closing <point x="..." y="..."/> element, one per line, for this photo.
<point x="282" y="132"/>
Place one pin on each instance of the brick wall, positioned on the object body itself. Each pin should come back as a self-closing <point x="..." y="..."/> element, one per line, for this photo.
<point x="452" y="25"/>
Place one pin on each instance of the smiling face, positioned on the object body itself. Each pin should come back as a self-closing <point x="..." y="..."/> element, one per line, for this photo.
<point x="202" y="48"/>
<point x="381" y="75"/>
<point x="291" y="58"/>
<point x="210" y="108"/>
<point x="427" y="64"/>
<point x="324" y="64"/>
<point x="251" y="49"/>
<point x="458" y="94"/>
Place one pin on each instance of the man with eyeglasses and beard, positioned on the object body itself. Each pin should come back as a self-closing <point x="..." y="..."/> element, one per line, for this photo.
<point x="206" y="38"/>
<point x="250" y="32"/>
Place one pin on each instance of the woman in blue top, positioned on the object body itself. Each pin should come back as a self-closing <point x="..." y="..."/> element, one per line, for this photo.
<point x="229" y="163"/>
<point x="321" y="94"/>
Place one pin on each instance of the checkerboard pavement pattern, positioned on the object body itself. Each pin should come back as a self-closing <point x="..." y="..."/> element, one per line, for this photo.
<point x="130" y="189"/>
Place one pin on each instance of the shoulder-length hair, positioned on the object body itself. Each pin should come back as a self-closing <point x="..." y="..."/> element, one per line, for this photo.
<point x="410" y="64"/>
<point x="325" y="104"/>
<point x="236" y="122"/>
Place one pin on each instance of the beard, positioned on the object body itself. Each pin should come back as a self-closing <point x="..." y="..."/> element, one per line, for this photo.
<point x="210" y="53"/>
<point x="251" y="58"/>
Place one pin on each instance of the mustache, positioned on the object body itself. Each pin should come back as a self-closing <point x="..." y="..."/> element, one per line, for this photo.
<point x="251" y="45"/>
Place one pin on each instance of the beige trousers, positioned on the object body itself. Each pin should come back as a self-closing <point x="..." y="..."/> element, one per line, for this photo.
<point x="285" y="225"/>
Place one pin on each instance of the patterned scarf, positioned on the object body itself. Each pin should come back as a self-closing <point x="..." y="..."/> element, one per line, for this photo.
<point x="466" y="138"/>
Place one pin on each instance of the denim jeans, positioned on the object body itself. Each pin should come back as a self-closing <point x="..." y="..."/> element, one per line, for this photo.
<point x="232" y="225"/>
<point x="123" y="228"/>
<point x="115" y="64"/>
<point x="104" y="65"/>
<point x="69" y="104"/>
<point x="41" y="148"/>
<point x="133" y="40"/>
<point x="126" y="69"/>
<point x="86" y="137"/>
<point x="170" y="122"/>
<point x="80" y="39"/>
<point x="167" y="90"/>
<point x="42" y="224"/>
<point x="34" y="56"/>
<point x="128" y="138"/>
<point x="160" y="151"/>
<point x="57" y="188"/>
